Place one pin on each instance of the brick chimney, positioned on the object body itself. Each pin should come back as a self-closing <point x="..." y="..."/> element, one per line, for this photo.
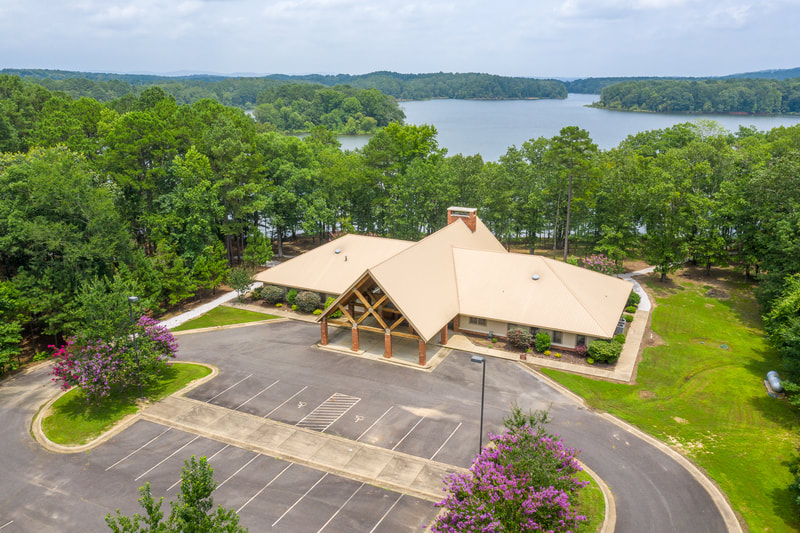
<point x="468" y="214"/>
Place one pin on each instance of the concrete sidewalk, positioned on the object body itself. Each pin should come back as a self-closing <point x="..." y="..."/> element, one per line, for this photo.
<point x="384" y="468"/>
<point x="176" y="321"/>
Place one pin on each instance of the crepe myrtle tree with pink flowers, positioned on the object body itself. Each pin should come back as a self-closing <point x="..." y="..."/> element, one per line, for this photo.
<point x="525" y="480"/>
<point x="101" y="368"/>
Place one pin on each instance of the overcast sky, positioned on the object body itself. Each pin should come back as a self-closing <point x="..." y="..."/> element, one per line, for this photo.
<point x="535" y="38"/>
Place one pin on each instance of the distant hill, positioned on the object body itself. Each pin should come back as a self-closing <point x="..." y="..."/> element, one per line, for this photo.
<point x="243" y="91"/>
<point x="596" y="85"/>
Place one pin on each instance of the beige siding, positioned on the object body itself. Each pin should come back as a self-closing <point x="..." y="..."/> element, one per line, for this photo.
<point x="493" y="326"/>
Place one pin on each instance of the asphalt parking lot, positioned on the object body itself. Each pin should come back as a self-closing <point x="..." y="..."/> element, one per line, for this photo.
<point x="268" y="494"/>
<point x="274" y="371"/>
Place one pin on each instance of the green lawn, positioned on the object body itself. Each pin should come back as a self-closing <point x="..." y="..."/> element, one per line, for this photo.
<point x="709" y="400"/>
<point x="223" y="316"/>
<point x="73" y="421"/>
<point x="591" y="504"/>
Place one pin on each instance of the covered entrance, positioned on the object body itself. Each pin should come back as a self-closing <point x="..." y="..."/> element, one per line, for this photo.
<point x="365" y="307"/>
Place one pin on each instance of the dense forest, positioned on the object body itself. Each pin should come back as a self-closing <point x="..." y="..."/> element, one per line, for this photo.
<point x="753" y="96"/>
<point x="160" y="199"/>
<point x="243" y="92"/>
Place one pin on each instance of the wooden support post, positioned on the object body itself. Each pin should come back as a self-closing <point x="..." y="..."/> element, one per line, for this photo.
<point x="324" y="332"/>
<point x="355" y="338"/>
<point x="387" y="344"/>
<point x="423" y="353"/>
<point x="352" y="308"/>
<point x="444" y="335"/>
<point x="456" y="323"/>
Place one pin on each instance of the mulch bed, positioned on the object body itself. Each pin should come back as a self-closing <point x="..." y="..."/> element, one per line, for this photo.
<point x="566" y="356"/>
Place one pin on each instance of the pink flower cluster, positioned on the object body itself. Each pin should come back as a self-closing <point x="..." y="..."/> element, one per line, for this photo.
<point x="101" y="368"/>
<point x="526" y="482"/>
<point x="600" y="263"/>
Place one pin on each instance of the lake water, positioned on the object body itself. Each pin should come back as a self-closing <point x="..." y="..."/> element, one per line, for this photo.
<point x="490" y="127"/>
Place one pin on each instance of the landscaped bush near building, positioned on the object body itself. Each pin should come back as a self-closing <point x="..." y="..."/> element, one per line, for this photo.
<point x="604" y="351"/>
<point x="520" y="338"/>
<point x="328" y="302"/>
<point x="628" y="318"/>
<point x="307" y="301"/>
<point x="272" y="294"/>
<point x="620" y="338"/>
<point x="257" y="293"/>
<point x="630" y="309"/>
<point x="633" y="299"/>
<point x="581" y="349"/>
<point x="526" y="481"/>
<point x="290" y="296"/>
<point x="542" y="341"/>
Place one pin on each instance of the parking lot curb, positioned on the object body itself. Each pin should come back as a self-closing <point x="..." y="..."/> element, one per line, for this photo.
<point x="229" y="326"/>
<point x="116" y="429"/>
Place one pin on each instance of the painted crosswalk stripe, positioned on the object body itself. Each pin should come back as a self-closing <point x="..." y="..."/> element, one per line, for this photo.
<point x="328" y="412"/>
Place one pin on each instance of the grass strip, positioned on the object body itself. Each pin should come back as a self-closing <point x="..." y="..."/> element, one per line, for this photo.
<point x="73" y="421"/>
<point x="223" y="316"/>
<point x="702" y="392"/>
<point x="591" y="504"/>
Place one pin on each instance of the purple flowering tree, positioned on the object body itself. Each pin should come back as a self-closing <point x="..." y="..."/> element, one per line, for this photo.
<point x="523" y="481"/>
<point x="101" y="368"/>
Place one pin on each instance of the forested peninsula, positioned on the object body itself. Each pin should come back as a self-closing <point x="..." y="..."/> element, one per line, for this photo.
<point x="731" y="95"/>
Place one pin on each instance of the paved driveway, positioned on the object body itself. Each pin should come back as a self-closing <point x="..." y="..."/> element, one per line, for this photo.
<point x="271" y="370"/>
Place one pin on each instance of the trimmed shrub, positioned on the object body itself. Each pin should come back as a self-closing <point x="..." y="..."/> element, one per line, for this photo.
<point x="307" y="301"/>
<point x="294" y="307"/>
<point x="581" y="349"/>
<point x="634" y="299"/>
<point x="590" y="360"/>
<point x="628" y="318"/>
<point x="620" y="338"/>
<point x="558" y="355"/>
<point x="290" y="296"/>
<point x="519" y="338"/>
<point x="604" y="351"/>
<point x="257" y="293"/>
<point x="272" y="294"/>
<point x="279" y="304"/>
<point x="542" y="341"/>
<point x="630" y="309"/>
<point x="328" y="302"/>
<point x="317" y="312"/>
<point x="546" y="352"/>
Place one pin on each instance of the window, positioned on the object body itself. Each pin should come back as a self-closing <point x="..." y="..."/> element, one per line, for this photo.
<point x="556" y="337"/>
<point x="581" y="339"/>
<point x="534" y="331"/>
<point x="477" y="321"/>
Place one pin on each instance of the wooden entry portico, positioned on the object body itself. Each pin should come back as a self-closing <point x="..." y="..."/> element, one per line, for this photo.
<point x="366" y="307"/>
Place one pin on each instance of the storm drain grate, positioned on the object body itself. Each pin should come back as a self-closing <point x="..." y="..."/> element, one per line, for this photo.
<point x="328" y="412"/>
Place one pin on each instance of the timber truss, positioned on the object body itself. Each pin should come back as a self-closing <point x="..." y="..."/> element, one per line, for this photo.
<point x="365" y="307"/>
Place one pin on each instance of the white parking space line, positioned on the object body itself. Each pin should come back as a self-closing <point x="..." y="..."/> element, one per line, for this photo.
<point x="229" y="388"/>
<point x="162" y="461"/>
<point x="339" y="509"/>
<point x="299" y="500"/>
<point x="239" y="510"/>
<point x="6" y="524"/>
<point x="373" y="424"/>
<point x="242" y="468"/>
<point x="385" y="514"/>
<point x="287" y="401"/>
<point x="328" y="412"/>
<point x="143" y="446"/>
<point x="446" y="441"/>
<point x="209" y="460"/>
<point x="257" y="395"/>
<point x="409" y="433"/>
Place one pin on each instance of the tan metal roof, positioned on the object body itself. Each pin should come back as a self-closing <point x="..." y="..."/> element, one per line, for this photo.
<point x="421" y="280"/>
<point x="323" y="270"/>
<point x="500" y="286"/>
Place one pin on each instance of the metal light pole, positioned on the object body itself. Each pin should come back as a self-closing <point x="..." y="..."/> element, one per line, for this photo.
<point x="482" y="361"/>
<point x="132" y="300"/>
